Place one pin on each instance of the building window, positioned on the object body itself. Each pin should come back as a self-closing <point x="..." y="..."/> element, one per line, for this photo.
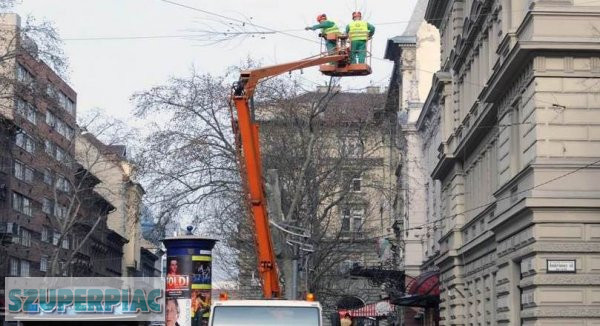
<point x="14" y="266"/>
<point x="60" y="126"/>
<point x="23" y="172"/>
<point x="51" y="91"/>
<point x="23" y="75"/>
<point x="70" y="106"/>
<point x="50" y="119"/>
<point x="55" y="238"/>
<point x="357" y="219"/>
<point x="25" y="238"/>
<point x="62" y="268"/>
<point x="24" y="267"/>
<point x="13" y="229"/>
<point x="22" y="204"/>
<point x="49" y="147"/>
<point x="48" y="177"/>
<point x="44" y="263"/>
<point x="355" y="184"/>
<point x="60" y="211"/>
<point x="56" y="152"/>
<point x="66" y="103"/>
<point x="60" y="154"/>
<point x="44" y="234"/>
<point x="27" y="111"/>
<point x="48" y="206"/>
<point x="352" y="219"/>
<point x="352" y="147"/>
<point x="25" y="142"/>
<point x="63" y="184"/>
<point x="515" y="144"/>
<point x="345" y="219"/>
<point x="65" y="242"/>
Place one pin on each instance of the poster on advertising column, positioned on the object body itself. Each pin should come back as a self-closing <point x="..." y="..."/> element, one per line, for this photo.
<point x="201" y="288"/>
<point x="178" y="304"/>
<point x="177" y="312"/>
<point x="179" y="269"/>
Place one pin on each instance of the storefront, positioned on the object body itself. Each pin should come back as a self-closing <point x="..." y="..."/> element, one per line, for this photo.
<point x="422" y="292"/>
<point x="369" y="315"/>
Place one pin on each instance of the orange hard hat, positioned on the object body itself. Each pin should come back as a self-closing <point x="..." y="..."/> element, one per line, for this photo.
<point x="356" y="14"/>
<point x="321" y="17"/>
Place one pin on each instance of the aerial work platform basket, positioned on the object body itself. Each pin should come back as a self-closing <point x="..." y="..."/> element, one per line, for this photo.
<point x="346" y="68"/>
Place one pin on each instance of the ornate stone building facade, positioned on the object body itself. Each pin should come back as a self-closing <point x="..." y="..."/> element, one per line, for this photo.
<point x="511" y="134"/>
<point x="416" y="57"/>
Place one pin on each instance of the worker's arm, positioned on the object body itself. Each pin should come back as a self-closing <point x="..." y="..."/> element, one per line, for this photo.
<point x="371" y="29"/>
<point x="325" y="24"/>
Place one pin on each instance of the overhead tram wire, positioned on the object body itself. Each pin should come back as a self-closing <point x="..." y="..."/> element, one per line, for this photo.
<point x="270" y="30"/>
<point x="142" y="37"/>
<point x="314" y="41"/>
<point x="239" y="20"/>
<point x="420" y="226"/>
<point x="472" y="83"/>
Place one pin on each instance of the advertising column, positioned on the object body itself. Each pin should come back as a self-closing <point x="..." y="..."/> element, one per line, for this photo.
<point x="188" y="280"/>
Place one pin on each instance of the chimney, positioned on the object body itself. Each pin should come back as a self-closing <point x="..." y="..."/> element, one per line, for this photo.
<point x="373" y="90"/>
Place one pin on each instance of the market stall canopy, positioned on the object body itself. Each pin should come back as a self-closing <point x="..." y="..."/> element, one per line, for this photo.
<point x="376" y="309"/>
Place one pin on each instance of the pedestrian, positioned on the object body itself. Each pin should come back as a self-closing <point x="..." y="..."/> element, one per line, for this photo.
<point x="359" y="32"/>
<point x="346" y="320"/>
<point x="329" y="31"/>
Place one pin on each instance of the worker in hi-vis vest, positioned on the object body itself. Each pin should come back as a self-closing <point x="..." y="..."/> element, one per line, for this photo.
<point x="359" y="32"/>
<point x="329" y="31"/>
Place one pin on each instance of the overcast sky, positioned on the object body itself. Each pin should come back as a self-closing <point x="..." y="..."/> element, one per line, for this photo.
<point x="106" y="72"/>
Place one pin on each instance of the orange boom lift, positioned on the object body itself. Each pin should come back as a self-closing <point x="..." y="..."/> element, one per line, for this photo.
<point x="247" y="141"/>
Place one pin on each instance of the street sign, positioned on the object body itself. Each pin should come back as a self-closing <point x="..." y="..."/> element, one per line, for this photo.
<point x="561" y="266"/>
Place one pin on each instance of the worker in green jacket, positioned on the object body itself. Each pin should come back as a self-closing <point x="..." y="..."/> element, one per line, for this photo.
<point x="359" y="32"/>
<point x="329" y="31"/>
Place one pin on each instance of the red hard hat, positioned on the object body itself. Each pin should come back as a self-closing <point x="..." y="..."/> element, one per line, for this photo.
<point x="321" y="17"/>
<point x="356" y="14"/>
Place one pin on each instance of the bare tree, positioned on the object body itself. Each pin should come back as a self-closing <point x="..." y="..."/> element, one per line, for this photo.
<point x="329" y="151"/>
<point x="81" y="201"/>
<point x="321" y="144"/>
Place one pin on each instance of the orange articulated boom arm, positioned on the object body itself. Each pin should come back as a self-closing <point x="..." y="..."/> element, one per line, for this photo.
<point x="252" y="167"/>
<point x="249" y="78"/>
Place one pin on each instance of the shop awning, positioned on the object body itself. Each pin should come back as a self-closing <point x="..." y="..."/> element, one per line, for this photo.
<point x="427" y="283"/>
<point x="421" y="291"/>
<point x="376" y="309"/>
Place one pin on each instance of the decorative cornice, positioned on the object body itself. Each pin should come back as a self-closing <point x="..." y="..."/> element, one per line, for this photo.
<point x="440" y="79"/>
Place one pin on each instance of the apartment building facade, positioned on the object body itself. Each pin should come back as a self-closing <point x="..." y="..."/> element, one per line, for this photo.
<point x="119" y="187"/>
<point x="510" y="133"/>
<point x="415" y="54"/>
<point x="40" y="179"/>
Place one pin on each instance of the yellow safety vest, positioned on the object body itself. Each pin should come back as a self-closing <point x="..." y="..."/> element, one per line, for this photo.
<point x="331" y="30"/>
<point x="358" y="31"/>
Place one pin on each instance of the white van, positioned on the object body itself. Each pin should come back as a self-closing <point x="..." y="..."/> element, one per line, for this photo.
<point x="265" y="313"/>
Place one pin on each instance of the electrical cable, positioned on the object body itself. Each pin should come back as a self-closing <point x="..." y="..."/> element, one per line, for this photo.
<point x="420" y="226"/>
<point x="270" y="30"/>
<point x="238" y="20"/>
